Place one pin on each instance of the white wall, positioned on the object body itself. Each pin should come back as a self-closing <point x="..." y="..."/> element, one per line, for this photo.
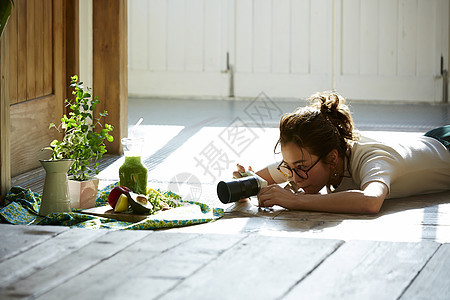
<point x="85" y="43"/>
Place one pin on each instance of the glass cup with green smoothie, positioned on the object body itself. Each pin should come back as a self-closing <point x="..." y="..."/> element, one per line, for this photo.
<point x="133" y="174"/>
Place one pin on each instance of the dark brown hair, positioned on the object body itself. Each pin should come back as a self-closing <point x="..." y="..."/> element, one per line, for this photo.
<point x="324" y="125"/>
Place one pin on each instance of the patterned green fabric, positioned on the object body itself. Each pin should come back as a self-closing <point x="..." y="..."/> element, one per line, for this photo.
<point x="22" y="207"/>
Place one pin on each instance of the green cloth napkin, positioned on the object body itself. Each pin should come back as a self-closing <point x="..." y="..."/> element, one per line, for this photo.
<point x="22" y="207"/>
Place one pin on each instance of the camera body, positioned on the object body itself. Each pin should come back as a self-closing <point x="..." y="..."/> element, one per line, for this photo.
<point x="240" y="188"/>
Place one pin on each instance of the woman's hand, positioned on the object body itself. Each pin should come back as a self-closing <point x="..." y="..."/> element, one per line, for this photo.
<point x="237" y="174"/>
<point x="276" y="195"/>
<point x="240" y="170"/>
<point x="365" y="201"/>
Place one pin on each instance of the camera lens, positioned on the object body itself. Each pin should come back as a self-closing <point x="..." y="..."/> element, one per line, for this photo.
<point x="235" y="190"/>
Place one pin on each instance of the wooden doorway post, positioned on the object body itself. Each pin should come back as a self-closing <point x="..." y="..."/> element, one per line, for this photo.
<point x="72" y="45"/>
<point x="110" y="59"/>
<point x="5" y="141"/>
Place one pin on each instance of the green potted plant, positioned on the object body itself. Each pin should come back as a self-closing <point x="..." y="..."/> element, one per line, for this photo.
<point x="83" y="142"/>
<point x="5" y="13"/>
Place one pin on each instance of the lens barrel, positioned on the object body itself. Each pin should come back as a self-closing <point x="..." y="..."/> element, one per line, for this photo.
<point x="235" y="190"/>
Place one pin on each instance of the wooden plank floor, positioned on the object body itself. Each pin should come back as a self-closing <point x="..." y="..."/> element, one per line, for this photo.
<point x="251" y="253"/>
<point x="61" y="263"/>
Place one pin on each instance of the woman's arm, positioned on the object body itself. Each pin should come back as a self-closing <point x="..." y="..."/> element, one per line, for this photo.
<point x="368" y="200"/>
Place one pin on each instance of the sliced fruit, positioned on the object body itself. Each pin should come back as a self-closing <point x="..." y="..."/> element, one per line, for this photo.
<point x="142" y="199"/>
<point x="136" y="206"/>
<point x="122" y="204"/>
<point x="115" y="194"/>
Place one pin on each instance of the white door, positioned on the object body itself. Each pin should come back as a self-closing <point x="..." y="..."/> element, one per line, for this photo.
<point x="365" y="49"/>
<point x="391" y="49"/>
<point x="283" y="47"/>
<point x="178" y="47"/>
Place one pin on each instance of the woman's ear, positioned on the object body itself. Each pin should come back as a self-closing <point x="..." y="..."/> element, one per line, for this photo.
<point x="332" y="158"/>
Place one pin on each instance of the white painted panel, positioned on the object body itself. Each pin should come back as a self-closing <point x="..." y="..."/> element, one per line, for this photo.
<point x="177" y="83"/>
<point x="244" y="35"/>
<point x="372" y="87"/>
<point x="283" y="85"/>
<point x="214" y="45"/>
<point x="369" y="37"/>
<point x="321" y="28"/>
<point x="405" y="35"/>
<point x="193" y="37"/>
<point x="262" y="36"/>
<point x="175" y="35"/>
<point x="281" y="36"/>
<point x="300" y="48"/>
<point x="426" y="60"/>
<point x="387" y="26"/>
<point x="350" y="37"/>
<point x="157" y="35"/>
<point x="300" y="36"/>
<point x="185" y="47"/>
<point x="407" y="38"/>
<point x="138" y="35"/>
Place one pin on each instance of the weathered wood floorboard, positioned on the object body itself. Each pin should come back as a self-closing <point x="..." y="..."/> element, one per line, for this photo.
<point x="366" y="270"/>
<point x="433" y="282"/>
<point x="169" y="264"/>
<point x="71" y="265"/>
<point x="11" y="245"/>
<point x="147" y="267"/>
<point x="345" y="229"/>
<point x="176" y="265"/>
<point x="421" y="209"/>
<point x="113" y="274"/>
<point x="258" y="267"/>
<point x="46" y="253"/>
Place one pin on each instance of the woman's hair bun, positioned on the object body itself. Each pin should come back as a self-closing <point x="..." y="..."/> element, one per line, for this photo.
<point x="327" y="102"/>
<point x="334" y="108"/>
<point x="320" y="127"/>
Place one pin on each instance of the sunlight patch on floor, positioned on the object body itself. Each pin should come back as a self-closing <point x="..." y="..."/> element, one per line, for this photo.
<point x="155" y="137"/>
<point x="211" y="153"/>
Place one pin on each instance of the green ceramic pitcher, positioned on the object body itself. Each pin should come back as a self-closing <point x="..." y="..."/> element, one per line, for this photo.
<point x="55" y="197"/>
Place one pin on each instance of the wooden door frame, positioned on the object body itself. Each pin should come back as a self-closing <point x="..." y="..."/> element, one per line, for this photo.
<point x="110" y="66"/>
<point x="5" y="153"/>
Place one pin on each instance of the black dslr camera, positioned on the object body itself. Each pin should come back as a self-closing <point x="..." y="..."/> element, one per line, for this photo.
<point x="240" y="188"/>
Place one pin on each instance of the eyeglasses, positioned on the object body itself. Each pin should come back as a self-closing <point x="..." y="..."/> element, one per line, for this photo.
<point x="288" y="172"/>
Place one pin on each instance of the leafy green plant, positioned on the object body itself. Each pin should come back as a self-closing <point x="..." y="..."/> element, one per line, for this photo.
<point x="81" y="141"/>
<point x="5" y="12"/>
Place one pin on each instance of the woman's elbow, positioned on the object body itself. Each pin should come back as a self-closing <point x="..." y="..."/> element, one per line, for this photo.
<point x="374" y="195"/>
<point x="372" y="205"/>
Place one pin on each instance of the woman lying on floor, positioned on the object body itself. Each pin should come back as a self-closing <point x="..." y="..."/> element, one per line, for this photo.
<point x="320" y="148"/>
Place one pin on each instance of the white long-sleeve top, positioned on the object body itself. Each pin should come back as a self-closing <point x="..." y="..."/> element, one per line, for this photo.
<point x="417" y="166"/>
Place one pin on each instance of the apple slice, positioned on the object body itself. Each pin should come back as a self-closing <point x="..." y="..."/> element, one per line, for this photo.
<point x="115" y="194"/>
<point x="122" y="203"/>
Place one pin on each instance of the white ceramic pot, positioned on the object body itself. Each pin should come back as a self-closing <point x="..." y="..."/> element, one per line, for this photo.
<point x="83" y="193"/>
